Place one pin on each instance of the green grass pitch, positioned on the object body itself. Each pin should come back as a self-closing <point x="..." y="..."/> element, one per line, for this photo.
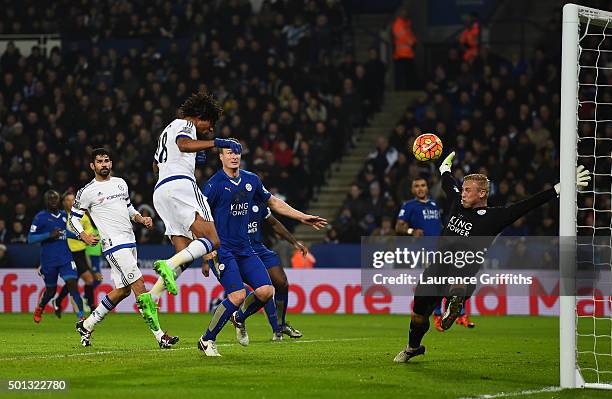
<point x="340" y="356"/>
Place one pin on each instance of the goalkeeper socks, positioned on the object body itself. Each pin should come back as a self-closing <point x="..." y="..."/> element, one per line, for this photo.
<point x="47" y="296"/>
<point x="89" y="295"/>
<point x="220" y="317"/>
<point x="196" y="249"/>
<point x="281" y="297"/>
<point x="105" y="306"/>
<point x="417" y="331"/>
<point x="250" y="305"/>
<point x="270" y="308"/>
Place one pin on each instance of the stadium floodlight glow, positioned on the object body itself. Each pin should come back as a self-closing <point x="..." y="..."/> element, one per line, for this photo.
<point x="585" y="341"/>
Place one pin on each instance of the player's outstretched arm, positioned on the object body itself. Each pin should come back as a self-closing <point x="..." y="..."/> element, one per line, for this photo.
<point x="280" y="206"/>
<point x="186" y="144"/>
<point x="515" y="211"/>
<point x="282" y="231"/>
<point x="582" y="178"/>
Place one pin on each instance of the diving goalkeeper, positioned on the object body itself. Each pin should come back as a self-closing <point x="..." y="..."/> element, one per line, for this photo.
<point x="469" y="217"/>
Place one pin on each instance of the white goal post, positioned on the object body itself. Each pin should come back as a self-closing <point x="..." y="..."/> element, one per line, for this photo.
<point x="582" y="26"/>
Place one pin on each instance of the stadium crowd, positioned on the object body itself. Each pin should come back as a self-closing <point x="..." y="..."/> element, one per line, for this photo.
<point x="501" y="116"/>
<point x="284" y="74"/>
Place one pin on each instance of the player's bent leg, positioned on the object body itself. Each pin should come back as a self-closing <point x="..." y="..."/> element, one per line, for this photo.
<point x="46" y="297"/>
<point x="205" y="229"/>
<point x="57" y="301"/>
<point x="148" y="310"/>
<point x="454" y="306"/>
<point x="419" y="325"/>
<point x="179" y="243"/>
<point x="86" y="327"/>
<point x="220" y="317"/>
<point x="88" y="279"/>
<point x="73" y="289"/>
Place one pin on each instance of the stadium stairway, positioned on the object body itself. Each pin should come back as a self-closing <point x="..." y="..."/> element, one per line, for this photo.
<point x="343" y="173"/>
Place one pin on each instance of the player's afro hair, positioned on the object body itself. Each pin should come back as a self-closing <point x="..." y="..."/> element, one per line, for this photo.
<point x="202" y="106"/>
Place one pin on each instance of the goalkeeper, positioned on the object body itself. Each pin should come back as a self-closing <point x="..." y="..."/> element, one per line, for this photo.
<point x="469" y="217"/>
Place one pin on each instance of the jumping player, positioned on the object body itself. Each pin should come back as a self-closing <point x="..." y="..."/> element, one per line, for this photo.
<point x="176" y="197"/>
<point x="469" y="217"/>
<point x="230" y="192"/>
<point x="107" y="200"/>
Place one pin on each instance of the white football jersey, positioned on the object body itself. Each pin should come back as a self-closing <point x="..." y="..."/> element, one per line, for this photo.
<point x="170" y="160"/>
<point x="107" y="202"/>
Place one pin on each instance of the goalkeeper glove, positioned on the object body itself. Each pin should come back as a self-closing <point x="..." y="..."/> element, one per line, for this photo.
<point x="582" y="179"/>
<point x="447" y="163"/>
<point x="231" y="144"/>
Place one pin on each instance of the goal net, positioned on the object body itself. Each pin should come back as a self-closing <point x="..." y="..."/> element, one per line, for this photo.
<point x="585" y="215"/>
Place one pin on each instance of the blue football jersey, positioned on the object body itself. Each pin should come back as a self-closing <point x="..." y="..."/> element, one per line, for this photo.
<point x="230" y="200"/>
<point x="53" y="252"/>
<point x="422" y="215"/>
<point x="258" y="212"/>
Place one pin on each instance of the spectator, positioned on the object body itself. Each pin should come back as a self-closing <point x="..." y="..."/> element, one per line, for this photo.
<point x="18" y="235"/>
<point x="4" y="260"/>
<point x="386" y="228"/>
<point x="3" y="232"/>
<point x="403" y="51"/>
<point x="469" y="39"/>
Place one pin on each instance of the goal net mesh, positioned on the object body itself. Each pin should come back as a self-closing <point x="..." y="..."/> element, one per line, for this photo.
<point x="594" y="203"/>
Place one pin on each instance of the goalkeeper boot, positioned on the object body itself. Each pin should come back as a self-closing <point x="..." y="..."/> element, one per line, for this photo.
<point x="38" y="312"/>
<point x="465" y="322"/>
<point x="277" y="336"/>
<point x="168" y="341"/>
<point x="85" y="333"/>
<point x="453" y="310"/>
<point x="208" y="347"/>
<point x="167" y="274"/>
<point x="291" y="332"/>
<point x="408" y="353"/>
<point x="438" y="323"/>
<point x="57" y="307"/>
<point x="241" y="333"/>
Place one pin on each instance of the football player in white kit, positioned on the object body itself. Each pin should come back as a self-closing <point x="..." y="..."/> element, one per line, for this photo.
<point x="107" y="200"/>
<point x="176" y="197"/>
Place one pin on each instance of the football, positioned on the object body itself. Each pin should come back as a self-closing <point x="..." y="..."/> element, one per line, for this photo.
<point x="427" y="147"/>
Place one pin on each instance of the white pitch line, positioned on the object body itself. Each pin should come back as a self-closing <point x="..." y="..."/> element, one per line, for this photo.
<point x="182" y="348"/>
<point x="511" y="394"/>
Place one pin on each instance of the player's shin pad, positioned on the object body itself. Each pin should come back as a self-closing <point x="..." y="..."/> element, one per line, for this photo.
<point x="148" y="309"/>
<point x="250" y="305"/>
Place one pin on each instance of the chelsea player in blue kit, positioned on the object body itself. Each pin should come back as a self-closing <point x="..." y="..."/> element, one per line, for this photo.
<point x="230" y="192"/>
<point x="49" y="229"/>
<point x="276" y="308"/>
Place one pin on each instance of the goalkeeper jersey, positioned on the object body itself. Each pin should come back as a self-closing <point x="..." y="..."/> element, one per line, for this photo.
<point x="485" y="221"/>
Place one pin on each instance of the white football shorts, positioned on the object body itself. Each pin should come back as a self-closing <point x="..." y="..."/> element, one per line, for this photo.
<point x="176" y="202"/>
<point x="124" y="266"/>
